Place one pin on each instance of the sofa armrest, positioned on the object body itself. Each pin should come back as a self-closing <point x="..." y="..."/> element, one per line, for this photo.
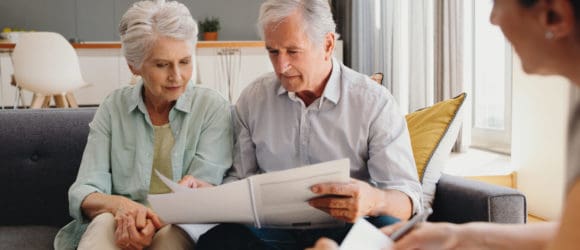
<point x="461" y="200"/>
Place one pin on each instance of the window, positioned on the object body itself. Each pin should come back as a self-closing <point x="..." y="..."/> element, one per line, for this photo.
<point x="492" y="67"/>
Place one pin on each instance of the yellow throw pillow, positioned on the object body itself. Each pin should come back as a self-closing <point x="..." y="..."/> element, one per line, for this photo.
<point x="433" y="132"/>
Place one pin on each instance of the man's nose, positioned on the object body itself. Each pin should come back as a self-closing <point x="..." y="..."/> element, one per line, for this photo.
<point x="283" y="64"/>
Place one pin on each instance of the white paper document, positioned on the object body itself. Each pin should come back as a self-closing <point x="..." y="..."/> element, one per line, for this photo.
<point x="276" y="199"/>
<point x="363" y="235"/>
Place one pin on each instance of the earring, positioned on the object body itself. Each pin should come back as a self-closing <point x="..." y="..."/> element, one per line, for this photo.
<point x="549" y="35"/>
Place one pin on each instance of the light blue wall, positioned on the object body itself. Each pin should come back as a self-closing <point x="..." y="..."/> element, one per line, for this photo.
<point x="97" y="20"/>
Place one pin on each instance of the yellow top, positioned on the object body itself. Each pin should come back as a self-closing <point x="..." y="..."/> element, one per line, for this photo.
<point x="161" y="158"/>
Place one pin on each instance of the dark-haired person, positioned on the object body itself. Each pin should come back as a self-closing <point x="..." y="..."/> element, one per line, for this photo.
<point x="546" y="35"/>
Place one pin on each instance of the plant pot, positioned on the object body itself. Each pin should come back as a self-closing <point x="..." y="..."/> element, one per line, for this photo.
<point x="210" y="36"/>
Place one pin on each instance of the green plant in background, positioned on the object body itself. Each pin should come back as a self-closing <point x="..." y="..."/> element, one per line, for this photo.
<point x="210" y="24"/>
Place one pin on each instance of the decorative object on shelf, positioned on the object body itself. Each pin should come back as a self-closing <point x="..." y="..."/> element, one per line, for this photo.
<point x="210" y="27"/>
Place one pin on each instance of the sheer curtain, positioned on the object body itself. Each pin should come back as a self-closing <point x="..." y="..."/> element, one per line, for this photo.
<point x="449" y="58"/>
<point x="417" y="44"/>
<point x="395" y="37"/>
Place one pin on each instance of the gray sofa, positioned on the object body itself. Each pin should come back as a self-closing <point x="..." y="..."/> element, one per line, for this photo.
<point x="40" y="151"/>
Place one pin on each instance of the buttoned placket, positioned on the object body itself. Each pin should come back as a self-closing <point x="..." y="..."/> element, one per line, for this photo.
<point x="304" y="131"/>
<point x="176" y="159"/>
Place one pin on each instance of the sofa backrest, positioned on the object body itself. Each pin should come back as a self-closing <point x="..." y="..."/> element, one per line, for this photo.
<point x="40" y="153"/>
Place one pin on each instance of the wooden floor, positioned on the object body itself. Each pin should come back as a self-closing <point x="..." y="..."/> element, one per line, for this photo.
<point x="533" y="219"/>
<point x="507" y="180"/>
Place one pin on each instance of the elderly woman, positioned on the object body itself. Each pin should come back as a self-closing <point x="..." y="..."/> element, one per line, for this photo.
<point x="164" y="123"/>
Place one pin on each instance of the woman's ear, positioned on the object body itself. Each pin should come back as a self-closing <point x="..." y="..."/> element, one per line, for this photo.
<point x="134" y="70"/>
<point x="559" y="18"/>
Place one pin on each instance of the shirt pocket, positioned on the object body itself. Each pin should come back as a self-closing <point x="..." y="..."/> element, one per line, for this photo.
<point x="126" y="174"/>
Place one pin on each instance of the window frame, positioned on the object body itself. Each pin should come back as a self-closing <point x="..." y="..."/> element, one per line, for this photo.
<point x="484" y="138"/>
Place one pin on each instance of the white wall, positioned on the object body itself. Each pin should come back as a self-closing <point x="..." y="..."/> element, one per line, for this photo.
<point x="540" y="118"/>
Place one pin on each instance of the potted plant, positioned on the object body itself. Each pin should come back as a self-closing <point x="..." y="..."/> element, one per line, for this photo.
<point x="210" y="27"/>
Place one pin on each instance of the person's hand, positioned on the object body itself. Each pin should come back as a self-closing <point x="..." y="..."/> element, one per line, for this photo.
<point x="324" y="244"/>
<point x="127" y="236"/>
<point x="346" y="201"/>
<point x="192" y="182"/>
<point x="135" y="224"/>
<point x="425" y="235"/>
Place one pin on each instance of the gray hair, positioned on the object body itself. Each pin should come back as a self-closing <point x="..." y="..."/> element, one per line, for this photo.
<point x="316" y="15"/>
<point x="145" y="21"/>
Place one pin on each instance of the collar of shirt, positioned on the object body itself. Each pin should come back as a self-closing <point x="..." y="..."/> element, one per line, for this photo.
<point x="184" y="102"/>
<point x="332" y="90"/>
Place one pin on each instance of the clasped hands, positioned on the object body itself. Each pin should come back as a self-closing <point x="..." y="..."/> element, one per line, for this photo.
<point x="345" y="201"/>
<point x="136" y="224"/>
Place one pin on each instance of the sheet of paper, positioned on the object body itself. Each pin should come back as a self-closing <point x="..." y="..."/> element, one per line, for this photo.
<point x="196" y="230"/>
<point x="176" y="188"/>
<point x="282" y="196"/>
<point x="224" y="203"/>
<point x="281" y="199"/>
<point x="363" y="235"/>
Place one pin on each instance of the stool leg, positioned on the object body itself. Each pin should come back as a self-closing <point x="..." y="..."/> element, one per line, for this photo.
<point x="37" y="101"/>
<point x="46" y="102"/>
<point x="60" y="101"/>
<point x="72" y="102"/>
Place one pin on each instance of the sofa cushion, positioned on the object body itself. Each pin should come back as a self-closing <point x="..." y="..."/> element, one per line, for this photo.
<point x="41" y="151"/>
<point x="27" y="237"/>
<point x="433" y="132"/>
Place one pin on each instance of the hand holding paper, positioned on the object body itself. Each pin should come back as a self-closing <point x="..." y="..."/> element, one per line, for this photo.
<point x="276" y="199"/>
<point x="345" y="201"/>
<point x="176" y="188"/>
<point x="192" y="182"/>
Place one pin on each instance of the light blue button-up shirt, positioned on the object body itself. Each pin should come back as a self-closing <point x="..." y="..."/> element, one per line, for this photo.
<point x="118" y="156"/>
<point x="354" y="118"/>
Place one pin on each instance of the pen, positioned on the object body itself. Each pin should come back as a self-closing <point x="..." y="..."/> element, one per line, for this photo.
<point x="421" y="217"/>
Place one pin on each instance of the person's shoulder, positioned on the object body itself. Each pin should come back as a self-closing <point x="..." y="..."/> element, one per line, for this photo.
<point x="262" y="87"/>
<point x="361" y="85"/>
<point x="120" y="96"/>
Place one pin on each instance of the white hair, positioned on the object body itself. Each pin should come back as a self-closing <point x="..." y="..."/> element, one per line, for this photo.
<point x="145" y="21"/>
<point x="316" y="17"/>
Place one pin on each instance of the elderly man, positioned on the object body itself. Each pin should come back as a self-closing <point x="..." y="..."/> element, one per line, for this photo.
<point x="313" y="109"/>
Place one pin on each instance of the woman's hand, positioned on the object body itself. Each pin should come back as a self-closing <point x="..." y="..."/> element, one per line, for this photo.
<point x="135" y="224"/>
<point x="192" y="182"/>
<point x="127" y="236"/>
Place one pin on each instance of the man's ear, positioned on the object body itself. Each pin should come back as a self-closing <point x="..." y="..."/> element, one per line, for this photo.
<point x="329" y="42"/>
<point x="559" y="18"/>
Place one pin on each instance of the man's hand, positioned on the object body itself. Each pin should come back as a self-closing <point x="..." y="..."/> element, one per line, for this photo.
<point x="192" y="182"/>
<point x="346" y="201"/>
